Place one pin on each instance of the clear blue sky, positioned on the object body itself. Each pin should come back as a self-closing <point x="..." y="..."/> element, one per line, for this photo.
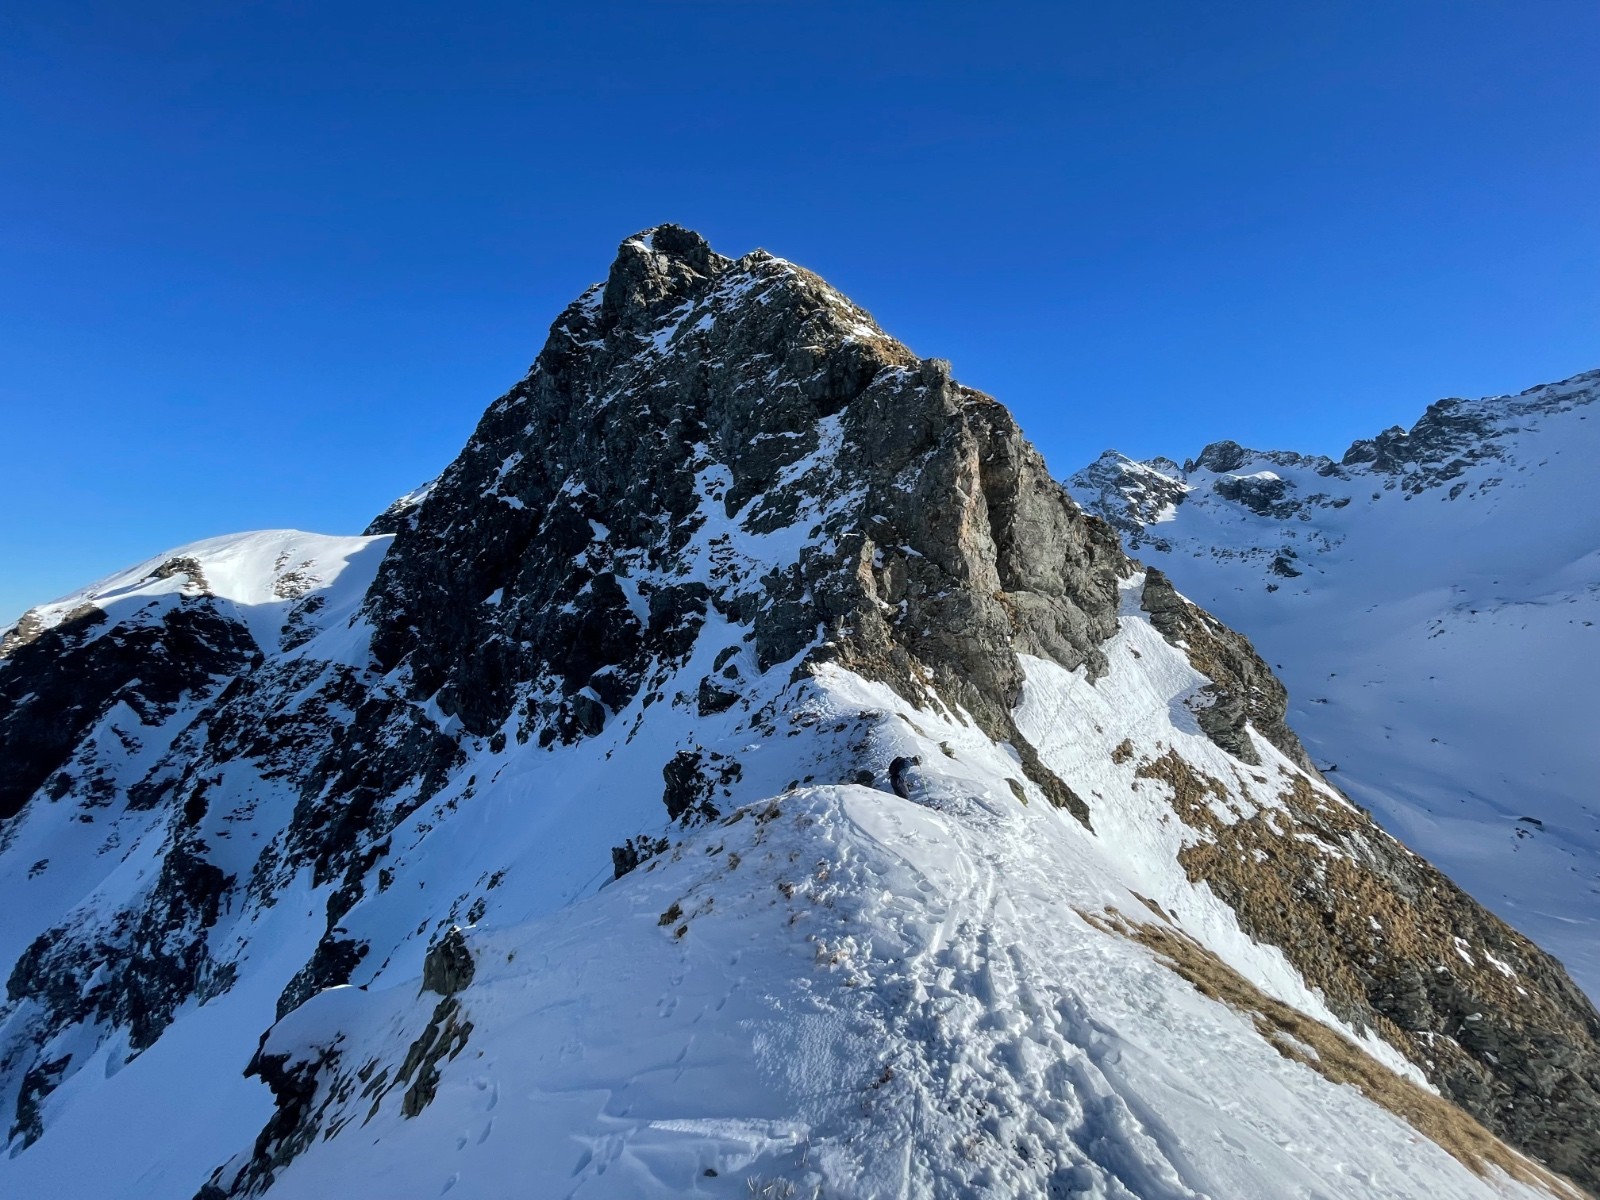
<point x="264" y="264"/>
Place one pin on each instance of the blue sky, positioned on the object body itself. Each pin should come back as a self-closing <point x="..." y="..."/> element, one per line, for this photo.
<point x="264" y="264"/>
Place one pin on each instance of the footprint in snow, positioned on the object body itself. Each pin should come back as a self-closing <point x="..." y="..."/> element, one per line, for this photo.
<point x="484" y="1084"/>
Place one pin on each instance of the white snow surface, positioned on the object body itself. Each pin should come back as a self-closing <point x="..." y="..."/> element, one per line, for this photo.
<point x="831" y="991"/>
<point x="254" y="578"/>
<point x="1441" y="642"/>
<point x="922" y="1016"/>
<point x="833" y="988"/>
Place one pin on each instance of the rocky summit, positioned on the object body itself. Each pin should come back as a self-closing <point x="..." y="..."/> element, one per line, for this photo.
<point x="743" y="771"/>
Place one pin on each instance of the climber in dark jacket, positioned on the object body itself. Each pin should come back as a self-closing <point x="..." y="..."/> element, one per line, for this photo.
<point x="900" y="775"/>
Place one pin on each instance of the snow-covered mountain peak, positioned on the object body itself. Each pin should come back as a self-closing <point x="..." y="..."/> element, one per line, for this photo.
<point x="161" y="636"/>
<point x="271" y="570"/>
<point x="1433" y="602"/>
<point x="1133" y="494"/>
<point x="1454" y="434"/>
<point x="1499" y="458"/>
<point x="746" y="770"/>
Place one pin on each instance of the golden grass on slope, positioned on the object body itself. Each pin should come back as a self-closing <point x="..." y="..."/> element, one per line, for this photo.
<point x="1305" y="1040"/>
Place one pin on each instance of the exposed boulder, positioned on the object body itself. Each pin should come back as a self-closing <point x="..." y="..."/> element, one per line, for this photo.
<point x="448" y="967"/>
<point x="1262" y="494"/>
<point x="1243" y="691"/>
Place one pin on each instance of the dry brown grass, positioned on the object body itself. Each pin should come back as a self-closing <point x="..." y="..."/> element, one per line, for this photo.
<point x="1284" y="883"/>
<point x="1192" y="790"/>
<point x="1292" y="1034"/>
<point x="1302" y="878"/>
<point x="1395" y="947"/>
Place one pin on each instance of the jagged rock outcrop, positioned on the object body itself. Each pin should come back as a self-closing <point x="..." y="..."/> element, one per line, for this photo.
<point x="448" y="966"/>
<point x="56" y="683"/>
<point x="719" y="483"/>
<point x="545" y="581"/>
<point x="1263" y="496"/>
<point x="1449" y="437"/>
<point x="290" y="1129"/>
<point x="1243" y="691"/>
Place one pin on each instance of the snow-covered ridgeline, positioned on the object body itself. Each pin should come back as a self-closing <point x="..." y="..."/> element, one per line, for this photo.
<point x="1433" y="604"/>
<point x="832" y="986"/>
<point x="256" y="578"/>
<point x="687" y="608"/>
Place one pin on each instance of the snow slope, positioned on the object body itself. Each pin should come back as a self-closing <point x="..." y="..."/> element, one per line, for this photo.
<point x="740" y="773"/>
<point x="280" y="585"/>
<point x="1433" y="604"/>
<point x="872" y="996"/>
<point x="255" y="577"/>
<point x="833" y="988"/>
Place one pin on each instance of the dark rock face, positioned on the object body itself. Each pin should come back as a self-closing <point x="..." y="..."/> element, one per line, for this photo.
<point x="332" y="963"/>
<point x="1446" y="439"/>
<point x="294" y="1124"/>
<point x="541" y="584"/>
<point x="1264" y="497"/>
<point x="399" y="515"/>
<point x="1243" y="690"/>
<point x="133" y="972"/>
<point x="563" y="567"/>
<point x="1454" y="434"/>
<point x="449" y="966"/>
<point x="55" y="683"/>
<point x="185" y="565"/>
<point x="1011" y="565"/>
<point x="1283" y="564"/>
<point x="635" y="850"/>
<point x="1221" y="457"/>
<point x="694" y="779"/>
<point x="158" y="956"/>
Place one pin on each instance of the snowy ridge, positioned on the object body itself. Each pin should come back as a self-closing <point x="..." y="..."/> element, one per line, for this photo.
<point x="1433" y="603"/>
<point x="255" y="577"/>
<point x="741" y="770"/>
<point x="851" y="991"/>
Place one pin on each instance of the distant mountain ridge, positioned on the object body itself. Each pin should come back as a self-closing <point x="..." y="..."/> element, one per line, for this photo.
<point x="743" y="770"/>
<point x="1432" y="600"/>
